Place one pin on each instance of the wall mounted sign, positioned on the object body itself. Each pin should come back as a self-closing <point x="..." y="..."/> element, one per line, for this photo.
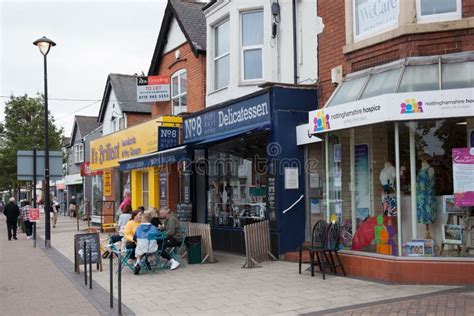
<point x="153" y="89"/>
<point x="163" y="189"/>
<point x="291" y="178"/>
<point x="168" y="137"/>
<point x="107" y="183"/>
<point x="242" y="116"/>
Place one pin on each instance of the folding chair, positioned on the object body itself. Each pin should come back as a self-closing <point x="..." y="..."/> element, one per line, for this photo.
<point x="123" y="255"/>
<point x="176" y="252"/>
<point x="160" y="237"/>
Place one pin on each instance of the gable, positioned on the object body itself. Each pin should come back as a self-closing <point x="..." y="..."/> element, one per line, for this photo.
<point x="175" y="37"/>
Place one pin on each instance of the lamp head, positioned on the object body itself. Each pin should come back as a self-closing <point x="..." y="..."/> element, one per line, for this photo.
<point x="44" y="44"/>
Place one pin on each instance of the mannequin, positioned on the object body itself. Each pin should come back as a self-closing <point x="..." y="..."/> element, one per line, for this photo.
<point x="425" y="196"/>
<point x="387" y="180"/>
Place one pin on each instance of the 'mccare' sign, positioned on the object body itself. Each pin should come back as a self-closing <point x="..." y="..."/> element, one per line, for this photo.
<point x="243" y="115"/>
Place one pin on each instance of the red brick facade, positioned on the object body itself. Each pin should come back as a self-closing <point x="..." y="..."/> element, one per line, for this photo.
<point x="332" y="41"/>
<point x="137" y="118"/>
<point x="196" y="74"/>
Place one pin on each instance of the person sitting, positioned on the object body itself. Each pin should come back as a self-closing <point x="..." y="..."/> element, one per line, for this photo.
<point x="155" y="217"/>
<point x="129" y="231"/>
<point x="144" y="246"/>
<point x="172" y="226"/>
<point x="122" y="221"/>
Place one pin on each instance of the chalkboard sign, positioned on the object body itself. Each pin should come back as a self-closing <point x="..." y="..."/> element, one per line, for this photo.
<point x="93" y="242"/>
<point x="184" y="212"/>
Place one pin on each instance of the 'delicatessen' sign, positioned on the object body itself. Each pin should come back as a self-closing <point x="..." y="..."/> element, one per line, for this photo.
<point x="393" y="107"/>
<point x="105" y="152"/>
<point x="153" y="89"/>
<point x="242" y="116"/>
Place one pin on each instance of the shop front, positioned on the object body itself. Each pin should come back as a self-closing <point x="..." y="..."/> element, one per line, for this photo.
<point x="398" y="170"/>
<point x="133" y="142"/>
<point x="245" y="166"/>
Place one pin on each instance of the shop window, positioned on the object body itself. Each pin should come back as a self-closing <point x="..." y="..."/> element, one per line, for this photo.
<point x="237" y="192"/>
<point x="372" y="17"/>
<point x="97" y="193"/>
<point x="78" y="153"/>
<point x="457" y="75"/>
<point x="221" y="55"/>
<point x="145" y="190"/>
<point x="438" y="10"/>
<point x="420" y="78"/>
<point x="179" y="91"/>
<point x="252" y="45"/>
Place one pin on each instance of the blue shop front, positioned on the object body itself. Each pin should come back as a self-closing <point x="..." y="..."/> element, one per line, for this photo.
<point x="246" y="166"/>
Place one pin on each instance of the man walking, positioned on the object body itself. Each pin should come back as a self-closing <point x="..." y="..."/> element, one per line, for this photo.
<point x="12" y="211"/>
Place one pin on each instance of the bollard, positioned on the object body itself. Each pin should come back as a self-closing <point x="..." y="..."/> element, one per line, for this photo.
<point x="84" y="256"/>
<point x="119" y="284"/>
<point x="111" y="257"/>
<point x="90" y="267"/>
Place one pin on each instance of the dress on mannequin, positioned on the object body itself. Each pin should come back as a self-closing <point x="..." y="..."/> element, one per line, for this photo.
<point x="387" y="180"/>
<point x="425" y="194"/>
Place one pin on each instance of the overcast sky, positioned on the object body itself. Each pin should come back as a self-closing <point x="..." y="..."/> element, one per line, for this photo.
<point x="94" y="38"/>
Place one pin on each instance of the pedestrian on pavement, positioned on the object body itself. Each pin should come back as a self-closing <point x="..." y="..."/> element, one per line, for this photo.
<point x="55" y="210"/>
<point x="72" y="206"/>
<point x="12" y="211"/>
<point x="172" y="226"/>
<point x="25" y="216"/>
<point x="2" y="205"/>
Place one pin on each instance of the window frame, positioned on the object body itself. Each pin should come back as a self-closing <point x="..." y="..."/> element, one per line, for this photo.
<point x="243" y="48"/>
<point x="180" y="94"/>
<point x="78" y="153"/>
<point x="441" y="17"/>
<point x="379" y="30"/>
<point x="216" y="58"/>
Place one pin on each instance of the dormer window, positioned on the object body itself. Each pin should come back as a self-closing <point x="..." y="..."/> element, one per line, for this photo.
<point x="252" y="45"/>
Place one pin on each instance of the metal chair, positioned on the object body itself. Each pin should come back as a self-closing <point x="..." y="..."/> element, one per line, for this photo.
<point x="332" y="247"/>
<point x="123" y="255"/>
<point x="318" y="247"/>
<point x="177" y="251"/>
<point x="160" y="237"/>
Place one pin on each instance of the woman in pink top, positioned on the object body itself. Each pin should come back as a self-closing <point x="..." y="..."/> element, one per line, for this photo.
<point x="126" y="201"/>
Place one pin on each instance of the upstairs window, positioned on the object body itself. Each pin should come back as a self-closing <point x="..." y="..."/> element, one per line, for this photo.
<point x="78" y="153"/>
<point x="438" y="10"/>
<point x="252" y="45"/>
<point x="178" y="93"/>
<point x="221" y="55"/>
<point x="372" y="17"/>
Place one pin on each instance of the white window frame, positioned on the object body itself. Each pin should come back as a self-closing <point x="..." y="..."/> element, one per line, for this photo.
<point x="78" y="153"/>
<point x="433" y="18"/>
<point x="181" y="94"/>
<point x="251" y="47"/>
<point x="216" y="58"/>
<point x="381" y="29"/>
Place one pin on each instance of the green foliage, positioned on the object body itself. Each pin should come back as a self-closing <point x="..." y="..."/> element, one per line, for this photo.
<point x="23" y="129"/>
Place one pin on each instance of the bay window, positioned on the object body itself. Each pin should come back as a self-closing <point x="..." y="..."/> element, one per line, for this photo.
<point x="221" y="55"/>
<point x="438" y="10"/>
<point x="371" y="17"/>
<point x="252" y="45"/>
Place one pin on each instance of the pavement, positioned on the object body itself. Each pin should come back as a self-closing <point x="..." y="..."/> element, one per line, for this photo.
<point x="31" y="284"/>
<point x="275" y="288"/>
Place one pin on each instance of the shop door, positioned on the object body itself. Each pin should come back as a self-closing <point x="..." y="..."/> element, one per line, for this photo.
<point x="201" y="193"/>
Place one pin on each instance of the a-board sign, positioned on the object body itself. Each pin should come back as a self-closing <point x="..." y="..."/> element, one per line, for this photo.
<point x="92" y="240"/>
<point x="34" y="214"/>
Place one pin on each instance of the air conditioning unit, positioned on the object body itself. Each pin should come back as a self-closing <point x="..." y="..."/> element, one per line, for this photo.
<point x="336" y="74"/>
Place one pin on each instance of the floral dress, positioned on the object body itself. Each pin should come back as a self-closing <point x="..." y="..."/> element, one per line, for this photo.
<point x="425" y="197"/>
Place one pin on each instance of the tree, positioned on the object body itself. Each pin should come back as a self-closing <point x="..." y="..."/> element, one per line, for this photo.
<point x="23" y="129"/>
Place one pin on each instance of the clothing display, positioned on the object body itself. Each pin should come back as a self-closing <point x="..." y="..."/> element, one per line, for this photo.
<point x="425" y="195"/>
<point x="389" y="199"/>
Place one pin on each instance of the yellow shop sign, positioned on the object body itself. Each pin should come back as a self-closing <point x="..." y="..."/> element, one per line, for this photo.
<point x="134" y="141"/>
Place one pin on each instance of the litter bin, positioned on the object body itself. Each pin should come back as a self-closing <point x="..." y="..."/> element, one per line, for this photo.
<point x="193" y="243"/>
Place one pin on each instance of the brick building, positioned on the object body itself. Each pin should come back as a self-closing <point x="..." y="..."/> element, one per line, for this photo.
<point x="396" y="113"/>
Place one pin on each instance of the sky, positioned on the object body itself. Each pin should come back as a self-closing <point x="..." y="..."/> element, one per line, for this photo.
<point x="94" y="38"/>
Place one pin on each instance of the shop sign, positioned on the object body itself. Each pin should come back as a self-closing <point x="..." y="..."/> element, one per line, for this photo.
<point x="107" y="151"/>
<point x="242" y="116"/>
<point x="168" y="137"/>
<point x="394" y="107"/>
<point x="153" y="89"/>
<point x="463" y="176"/>
<point x="107" y="183"/>
<point x="163" y="189"/>
<point x="86" y="170"/>
<point x="34" y="214"/>
<point x="373" y="16"/>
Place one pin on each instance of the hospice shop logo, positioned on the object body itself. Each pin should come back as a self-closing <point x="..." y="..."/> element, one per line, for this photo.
<point x="321" y="122"/>
<point x="411" y="106"/>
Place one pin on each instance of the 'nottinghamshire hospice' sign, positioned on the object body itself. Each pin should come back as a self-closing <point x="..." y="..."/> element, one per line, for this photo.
<point x="131" y="142"/>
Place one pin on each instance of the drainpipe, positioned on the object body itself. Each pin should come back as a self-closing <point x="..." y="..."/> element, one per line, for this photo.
<point x="295" y="61"/>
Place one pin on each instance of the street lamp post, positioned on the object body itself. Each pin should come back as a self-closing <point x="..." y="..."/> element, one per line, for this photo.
<point x="44" y="44"/>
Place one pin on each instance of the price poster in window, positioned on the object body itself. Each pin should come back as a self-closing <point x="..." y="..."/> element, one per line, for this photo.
<point x="463" y="176"/>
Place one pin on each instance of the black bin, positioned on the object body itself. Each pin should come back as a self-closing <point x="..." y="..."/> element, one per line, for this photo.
<point x="193" y="243"/>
